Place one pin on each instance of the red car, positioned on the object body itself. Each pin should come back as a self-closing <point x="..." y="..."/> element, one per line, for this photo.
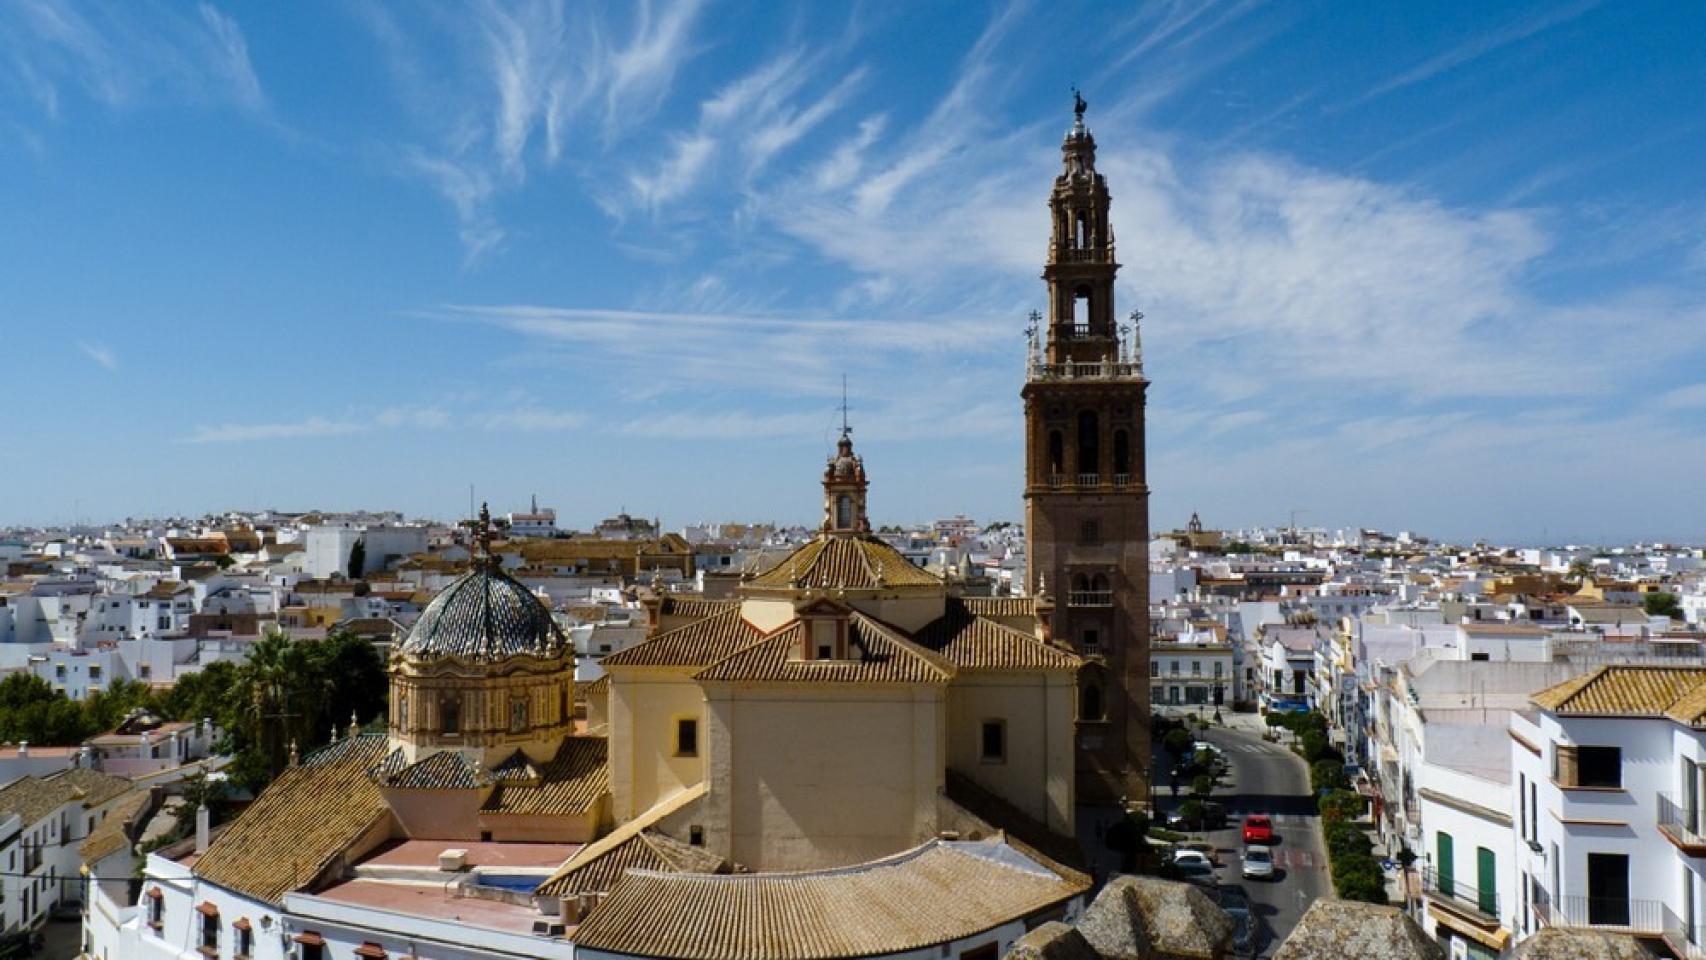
<point x="1258" y="829"/>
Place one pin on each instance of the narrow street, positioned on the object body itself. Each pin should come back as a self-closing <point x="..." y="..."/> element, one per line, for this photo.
<point x="1268" y="778"/>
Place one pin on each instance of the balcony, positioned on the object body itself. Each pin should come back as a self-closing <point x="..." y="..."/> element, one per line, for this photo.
<point x="1463" y="899"/>
<point x="1090" y="598"/>
<point x="1683" y="826"/>
<point x="1122" y="479"/>
<point x="1685" y="940"/>
<point x="1099" y="370"/>
<point x="1617" y="914"/>
<point x="1089" y="479"/>
<point x="1066" y="254"/>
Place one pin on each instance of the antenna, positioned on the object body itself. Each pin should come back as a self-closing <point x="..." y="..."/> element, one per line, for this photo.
<point x="845" y="429"/>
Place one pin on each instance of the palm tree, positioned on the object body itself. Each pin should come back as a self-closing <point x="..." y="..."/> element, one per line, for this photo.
<point x="281" y="696"/>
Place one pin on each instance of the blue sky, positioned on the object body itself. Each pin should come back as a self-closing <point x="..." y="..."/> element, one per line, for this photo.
<point x="1413" y="266"/>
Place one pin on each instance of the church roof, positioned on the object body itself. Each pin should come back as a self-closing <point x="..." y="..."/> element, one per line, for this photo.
<point x="974" y="642"/>
<point x="485" y="615"/>
<point x="865" y="910"/>
<point x="848" y="563"/>
<point x="300" y="823"/>
<point x="885" y="655"/>
<point x="693" y="607"/>
<point x="1001" y="607"/>
<point x="696" y="644"/>
<point x="569" y="783"/>
<point x="585" y="871"/>
<point x="445" y="770"/>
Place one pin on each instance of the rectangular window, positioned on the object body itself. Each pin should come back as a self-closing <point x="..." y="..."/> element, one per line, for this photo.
<point x="1089" y="533"/>
<point x="994" y="741"/>
<point x="1154" y="669"/>
<point x="1480" y="657"/>
<point x="1445" y="865"/>
<point x="1522" y="803"/>
<point x="1486" y="882"/>
<point x="686" y="737"/>
<point x="210" y="933"/>
<point x="1599" y="767"/>
<point x="245" y="942"/>
<point x="1608" y="889"/>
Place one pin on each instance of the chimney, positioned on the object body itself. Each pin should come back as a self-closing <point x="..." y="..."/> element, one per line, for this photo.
<point x="201" y="829"/>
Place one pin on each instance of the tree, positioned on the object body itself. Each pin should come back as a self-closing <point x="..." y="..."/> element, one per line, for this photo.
<point x="1202" y="785"/>
<point x="1178" y="743"/>
<point x="1662" y="605"/>
<point x="358" y="559"/>
<point x="1580" y="569"/>
<point x="355" y="675"/>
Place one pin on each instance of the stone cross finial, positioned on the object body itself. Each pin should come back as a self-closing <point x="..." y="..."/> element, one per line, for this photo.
<point x="295" y="758"/>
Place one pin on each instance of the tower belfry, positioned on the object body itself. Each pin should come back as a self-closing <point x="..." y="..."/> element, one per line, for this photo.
<point x="1086" y="495"/>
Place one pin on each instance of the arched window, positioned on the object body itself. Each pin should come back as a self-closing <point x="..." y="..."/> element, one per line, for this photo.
<point x="1082" y="241"/>
<point x="1056" y="453"/>
<point x="1089" y="443"/>
<point x="450" y="716"/>
<point x="563" y="703"/>
<point x="403" y="711"/>
<point x="1122" y="452"/>
<point x="1079" y="584"/>
<point x="1099" y="583"/>
<point x="1081" y="312"/>
<point x="844" y="511"/>
<point x="1090" y="704"/>
<point x="518" y="715"/>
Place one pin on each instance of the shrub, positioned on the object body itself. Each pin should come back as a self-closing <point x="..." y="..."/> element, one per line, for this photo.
<point x="1341" y="804"/>
<point x="1328" y="774"/>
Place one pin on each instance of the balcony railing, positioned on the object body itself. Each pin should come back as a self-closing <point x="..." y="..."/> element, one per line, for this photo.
<point x="1685" y="940"/>
<point x="1090" y="598"/>
<point x="1099" y="370"/>
<point x="1464" y="898"/>
<point x="1684" y="826"/>
<point x="1122" y="479"/>
<point x="1605" y="913"/>
<point x="1089" y="479"/>
<point x="1065" y="254"/>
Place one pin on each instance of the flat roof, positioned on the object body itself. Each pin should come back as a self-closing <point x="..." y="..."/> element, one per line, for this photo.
<point x="424" y="853"/>
<point x="435" y="901"/>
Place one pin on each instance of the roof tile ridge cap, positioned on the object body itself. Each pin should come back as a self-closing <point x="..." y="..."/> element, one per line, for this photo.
<point x="771" y="637"/>
<point x="899" y="636"/>
<point x="888" y="860"/>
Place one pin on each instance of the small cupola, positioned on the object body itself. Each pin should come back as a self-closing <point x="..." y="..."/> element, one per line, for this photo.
<point x="844" y="487"/>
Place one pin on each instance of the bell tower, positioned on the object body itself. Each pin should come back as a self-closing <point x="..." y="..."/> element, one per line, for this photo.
<point x="1086" y="497"/>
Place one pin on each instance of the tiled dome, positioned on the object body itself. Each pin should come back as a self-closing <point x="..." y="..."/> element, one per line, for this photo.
<point x="486" y="616"/>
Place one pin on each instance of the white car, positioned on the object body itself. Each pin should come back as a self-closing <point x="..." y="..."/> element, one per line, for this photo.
<point x="1258" y="863"/>
<point x="1194" y="866"/>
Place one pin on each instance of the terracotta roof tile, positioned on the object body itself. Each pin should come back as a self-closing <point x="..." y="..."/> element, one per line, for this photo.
<point x="696" y="644"/>
<point x="1001" y="607"/>
<point x="559" y="883"/>
<point x="446" y="770"/>
<point x="695" y="607"/>
<point x="870" y="909"/>
<point x="852" y="563"/>
<point x="1678" y="693"/>
<point x="111" y="834"/>
<point x="978" y="643"/>
<point x="646" y="850"/>
<point x="300" y="824"/>
<point x="569" y="783"/>
<point x="885" y="655"/>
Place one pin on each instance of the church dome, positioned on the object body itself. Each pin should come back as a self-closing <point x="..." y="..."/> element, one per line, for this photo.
<point x="485" y="616"/>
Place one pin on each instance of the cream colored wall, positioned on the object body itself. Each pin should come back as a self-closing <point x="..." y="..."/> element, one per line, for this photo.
<point x="1037" y="708"/>
<point x="437" y="814"/>
<point x="644" y="705"/>
<point x="805" y="777"/>
<point x="911" y="613"/>
<point x="767" y="615"/>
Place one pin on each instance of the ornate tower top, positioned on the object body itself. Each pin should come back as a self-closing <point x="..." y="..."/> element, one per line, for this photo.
<point x="483" y="558"/>
<point x="844" y="487"/>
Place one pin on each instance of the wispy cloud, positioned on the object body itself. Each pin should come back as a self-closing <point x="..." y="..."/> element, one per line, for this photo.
<point x="522" y="80"/>
<point x="1477" y="47"/>
<point x="246" y="432"/>
<point x="100" y="354"/>
<point x="125" y="54"/>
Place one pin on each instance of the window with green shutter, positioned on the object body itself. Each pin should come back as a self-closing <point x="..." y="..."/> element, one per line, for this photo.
<point x="1442" y="865"/>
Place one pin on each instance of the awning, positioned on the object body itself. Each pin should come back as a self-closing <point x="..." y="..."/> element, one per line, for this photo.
<point x="370" y="951"/>
<point x="310" y="938"/>
<point x="1494" y="939"/>
<point x="241" y="924"/>
<point x="207" y="909"/>
<point x="154" y="893"/>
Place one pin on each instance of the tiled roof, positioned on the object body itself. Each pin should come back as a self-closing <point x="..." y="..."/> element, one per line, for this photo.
<point x="853" y="563"/>
<point x="597" y="689"/>
<point x="33" y="798"/>
<point x="97" y="787"/>
<point x="516" y="768"/>
<point x="559" y="884"/>
<point x="485" y="615"/>
<point x="1025" y="830"/>
<point x="1579" y="943"/>
<point x="978" y="643"/>
<point x="299" y="824"/>
<point x="1678" y="693"/>
<point x="445" y="770"/>
<point x="884" y="655"/>
<point x="936" y="893"/>
<point x="1334" y="929"/>
<point x="110" y="835"/>
<point x="696" y="644"/>
<point x="695" y="606"/>
<point x="569" y="783"/>
<point x="1003" y="607"/>
<point x="1053" y="941"/>
<point x="645" y="850"/>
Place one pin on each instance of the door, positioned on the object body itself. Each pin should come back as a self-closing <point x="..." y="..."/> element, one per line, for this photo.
<point x="1608" y="890"/>
<point x="1486" y="882"/>
<point x="1443" y="866"/>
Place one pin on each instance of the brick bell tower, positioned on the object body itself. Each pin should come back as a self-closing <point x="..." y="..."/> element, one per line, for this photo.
<point x="1086" y="498"/>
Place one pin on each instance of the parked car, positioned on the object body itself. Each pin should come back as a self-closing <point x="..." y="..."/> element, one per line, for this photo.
<point x="1258" y="829"/>
<point x="1194" y="867"/>
<point x="1213" y="817"/>
<point x="1258" y="863"/>
<point x="1243" y="931"/>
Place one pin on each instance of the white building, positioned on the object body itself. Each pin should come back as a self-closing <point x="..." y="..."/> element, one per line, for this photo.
<point x="48" y="816"/>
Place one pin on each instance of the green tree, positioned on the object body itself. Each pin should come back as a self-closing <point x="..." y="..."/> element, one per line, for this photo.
<point x="1662" y="605"/>
<point x="358" y="559"/>
<point x="1178" y="743"/>
<point x="1202" y="785"/>
<point x="281" y="698"/>
<point x="355" y="677"/>
<point x="1580" y="569"/>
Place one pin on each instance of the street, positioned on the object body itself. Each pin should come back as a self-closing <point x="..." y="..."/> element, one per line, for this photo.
<point x="1268" y="778"/>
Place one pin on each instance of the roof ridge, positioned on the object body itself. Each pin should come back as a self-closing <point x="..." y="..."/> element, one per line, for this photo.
<point x="896" y="635"/>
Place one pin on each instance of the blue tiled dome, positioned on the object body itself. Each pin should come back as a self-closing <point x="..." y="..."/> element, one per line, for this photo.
<point x="486" y="616"/>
